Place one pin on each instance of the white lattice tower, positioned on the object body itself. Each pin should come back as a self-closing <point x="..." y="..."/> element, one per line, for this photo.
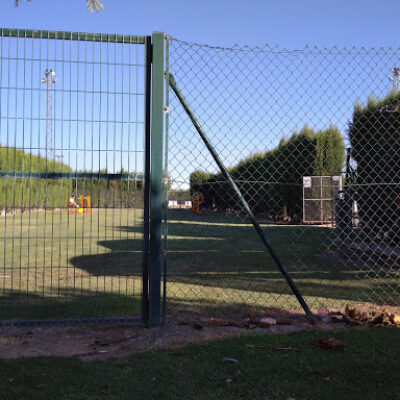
<point x="49" y="80"/>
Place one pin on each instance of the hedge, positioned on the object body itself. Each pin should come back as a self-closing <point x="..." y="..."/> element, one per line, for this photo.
<point x="40" y="193"/>
<point x="31" y="193"/>
<point x="374" y="134"/>
<point x="271" y="181"/>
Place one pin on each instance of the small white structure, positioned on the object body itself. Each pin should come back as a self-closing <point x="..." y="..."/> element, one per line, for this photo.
<point x="179" y="204"/>
<point x="319" y="196"/>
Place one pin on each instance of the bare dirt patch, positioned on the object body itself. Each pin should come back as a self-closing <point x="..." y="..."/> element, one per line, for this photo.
<point x="105" y="342"/>
<point x="108" y="342"/>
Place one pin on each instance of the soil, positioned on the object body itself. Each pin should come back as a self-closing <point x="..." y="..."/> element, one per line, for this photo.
<point x="111" y="342"/>
<point x="105" y="342"/>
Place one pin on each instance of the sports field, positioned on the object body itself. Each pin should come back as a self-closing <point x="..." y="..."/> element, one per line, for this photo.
<point x="59" y="264"/>
<point x="53" y="264"/>
<point x="217" y="261"/>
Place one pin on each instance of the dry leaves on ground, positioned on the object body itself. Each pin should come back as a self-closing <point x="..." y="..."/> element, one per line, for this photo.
<point x="359" y="316"/>
<point x="329" y="343"/>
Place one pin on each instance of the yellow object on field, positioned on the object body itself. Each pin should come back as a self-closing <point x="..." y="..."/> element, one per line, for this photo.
<point x="197" y="199"/>
<point x="84" y="208"/>
<point x="85" y="203"/>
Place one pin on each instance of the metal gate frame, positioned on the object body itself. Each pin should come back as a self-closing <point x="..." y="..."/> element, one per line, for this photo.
<point x="153" y="171"/>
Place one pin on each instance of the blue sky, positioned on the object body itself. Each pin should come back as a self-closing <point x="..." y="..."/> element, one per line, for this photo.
<point x="328" y="85"/>
<point x="289" y="23"/>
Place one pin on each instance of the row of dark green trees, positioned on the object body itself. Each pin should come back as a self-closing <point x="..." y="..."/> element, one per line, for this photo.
<point x="54" y="193"/>
<point x="271" y="181"/>
<point x="374" y="134"/>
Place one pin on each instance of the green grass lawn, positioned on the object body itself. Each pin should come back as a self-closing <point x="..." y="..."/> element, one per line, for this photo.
<point x="58" y="265"/>
<point x="55" y="264"/>
<point x="222" y="261"/>
<point x="367" y="368"/>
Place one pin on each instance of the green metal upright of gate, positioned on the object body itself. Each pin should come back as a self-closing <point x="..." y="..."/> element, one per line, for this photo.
<point x="81" y="128"/>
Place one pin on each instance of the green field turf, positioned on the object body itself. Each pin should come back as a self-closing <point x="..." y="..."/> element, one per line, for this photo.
<point x="221" y="260"/>
<point x="57" y="265"/>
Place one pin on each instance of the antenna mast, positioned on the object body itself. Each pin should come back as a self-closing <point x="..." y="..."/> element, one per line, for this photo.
<point x="49" y="80"/>
<point x="395" y="79"/>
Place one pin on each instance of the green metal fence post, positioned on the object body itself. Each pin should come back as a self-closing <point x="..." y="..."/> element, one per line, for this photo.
<point x="157" y="97"/>
<point x="146" y="187"/>
<point x="166" y="182"/>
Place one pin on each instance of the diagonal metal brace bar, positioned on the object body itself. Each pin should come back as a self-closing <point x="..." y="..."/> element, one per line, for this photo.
<point x="253" y="219"/>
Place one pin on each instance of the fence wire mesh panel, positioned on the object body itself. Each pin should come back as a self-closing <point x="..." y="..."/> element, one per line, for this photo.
<point x="72" y="148"/>
<point x="276" y="117"/>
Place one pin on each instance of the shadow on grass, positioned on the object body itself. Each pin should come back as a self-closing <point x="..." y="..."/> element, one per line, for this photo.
<point x="215" y="263"/>
<point x="366" y="370"/>
<point x="68" y="303"/>
<point x="18" y="305"/>
<point x="215" y="252"/>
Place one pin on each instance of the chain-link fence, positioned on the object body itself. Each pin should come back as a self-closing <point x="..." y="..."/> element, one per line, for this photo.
<point x="279" y="120"/>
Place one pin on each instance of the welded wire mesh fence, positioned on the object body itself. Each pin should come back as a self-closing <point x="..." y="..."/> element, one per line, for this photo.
<point x="282" y="122"/>
<point x="71" y="124"/>
<point x="311" y="138"/>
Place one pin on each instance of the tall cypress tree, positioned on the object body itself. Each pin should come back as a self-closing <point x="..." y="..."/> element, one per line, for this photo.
<point x="272" y="181"/>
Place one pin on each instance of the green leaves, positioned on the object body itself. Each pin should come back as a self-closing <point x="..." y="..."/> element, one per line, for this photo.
<point x="92" y="5"/>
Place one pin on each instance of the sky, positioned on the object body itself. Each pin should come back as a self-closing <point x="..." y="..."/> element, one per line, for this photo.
<point x="288" y="24"/>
